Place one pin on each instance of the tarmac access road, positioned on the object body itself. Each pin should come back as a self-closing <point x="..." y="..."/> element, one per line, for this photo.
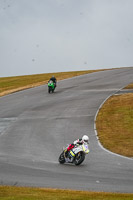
<point x="35" y="125"/>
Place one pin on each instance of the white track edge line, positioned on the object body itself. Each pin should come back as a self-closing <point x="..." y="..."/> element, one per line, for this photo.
<point x="99" y="143"/>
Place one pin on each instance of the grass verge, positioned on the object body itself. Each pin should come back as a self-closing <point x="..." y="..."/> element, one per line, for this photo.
<point x="114" y="124"/>
<point x="24" y="193"/>
<point x="13" y="84"/>
<point x="130" y="86"/>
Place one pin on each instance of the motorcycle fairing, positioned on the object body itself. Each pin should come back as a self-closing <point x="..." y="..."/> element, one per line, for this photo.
<point x="85" y="148"/>
<point x="72" y="153"/>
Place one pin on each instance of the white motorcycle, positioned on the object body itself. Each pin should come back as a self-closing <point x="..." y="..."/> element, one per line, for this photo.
<point x="75" y="155"/>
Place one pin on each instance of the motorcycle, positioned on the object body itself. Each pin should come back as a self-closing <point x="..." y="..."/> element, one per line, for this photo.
<point x="51" y="86"/>
<point x="75" y="155"/>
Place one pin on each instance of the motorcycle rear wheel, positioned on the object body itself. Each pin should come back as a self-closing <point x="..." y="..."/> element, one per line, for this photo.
<point x="79" y="158"/>
<point x="61" y="158"/>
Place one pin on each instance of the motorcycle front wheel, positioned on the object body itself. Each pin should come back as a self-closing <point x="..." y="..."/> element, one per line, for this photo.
<point x="79" y="158"/>
<point x="61" y="158"/>
<point x="49" y="90"/>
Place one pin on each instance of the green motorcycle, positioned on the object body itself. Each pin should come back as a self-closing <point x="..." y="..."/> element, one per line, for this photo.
<point x="51" y="86"/>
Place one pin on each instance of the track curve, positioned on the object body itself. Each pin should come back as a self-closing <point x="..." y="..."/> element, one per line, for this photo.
<point x="35" y="125"/>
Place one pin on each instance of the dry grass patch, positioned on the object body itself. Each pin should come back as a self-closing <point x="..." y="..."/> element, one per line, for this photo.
<point x="12" y="84"/>
<point x="130" y="86"/>
<point x="115" y="124"/>
<point x="23" y="193"/>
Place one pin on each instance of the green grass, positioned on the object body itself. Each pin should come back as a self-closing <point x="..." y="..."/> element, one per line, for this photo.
<point x="27" y="193"/>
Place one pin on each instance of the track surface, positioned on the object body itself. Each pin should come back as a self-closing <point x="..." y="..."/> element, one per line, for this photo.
<point x="35" y="125"/>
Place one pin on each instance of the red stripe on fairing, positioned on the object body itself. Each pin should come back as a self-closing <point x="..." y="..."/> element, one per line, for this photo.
<point x="70" y="147"/>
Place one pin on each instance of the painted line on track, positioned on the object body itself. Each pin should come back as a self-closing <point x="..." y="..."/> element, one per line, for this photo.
<point x="99" y="143"/>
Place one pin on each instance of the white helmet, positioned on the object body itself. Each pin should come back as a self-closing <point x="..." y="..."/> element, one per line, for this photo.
<point x="85" y="138"/>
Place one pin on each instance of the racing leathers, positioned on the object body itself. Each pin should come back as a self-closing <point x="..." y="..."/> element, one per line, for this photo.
<point x="54" y="80"/>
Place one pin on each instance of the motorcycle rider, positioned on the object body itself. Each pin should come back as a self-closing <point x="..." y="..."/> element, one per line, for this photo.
<point x="84" y="139"/>
<point x="54" y="80"/>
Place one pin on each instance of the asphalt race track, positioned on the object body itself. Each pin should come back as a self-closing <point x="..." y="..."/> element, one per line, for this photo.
<point x="35" y="125"/>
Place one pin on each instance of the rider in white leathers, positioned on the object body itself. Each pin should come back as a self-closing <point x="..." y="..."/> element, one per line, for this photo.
<point x="85" y="139"/>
